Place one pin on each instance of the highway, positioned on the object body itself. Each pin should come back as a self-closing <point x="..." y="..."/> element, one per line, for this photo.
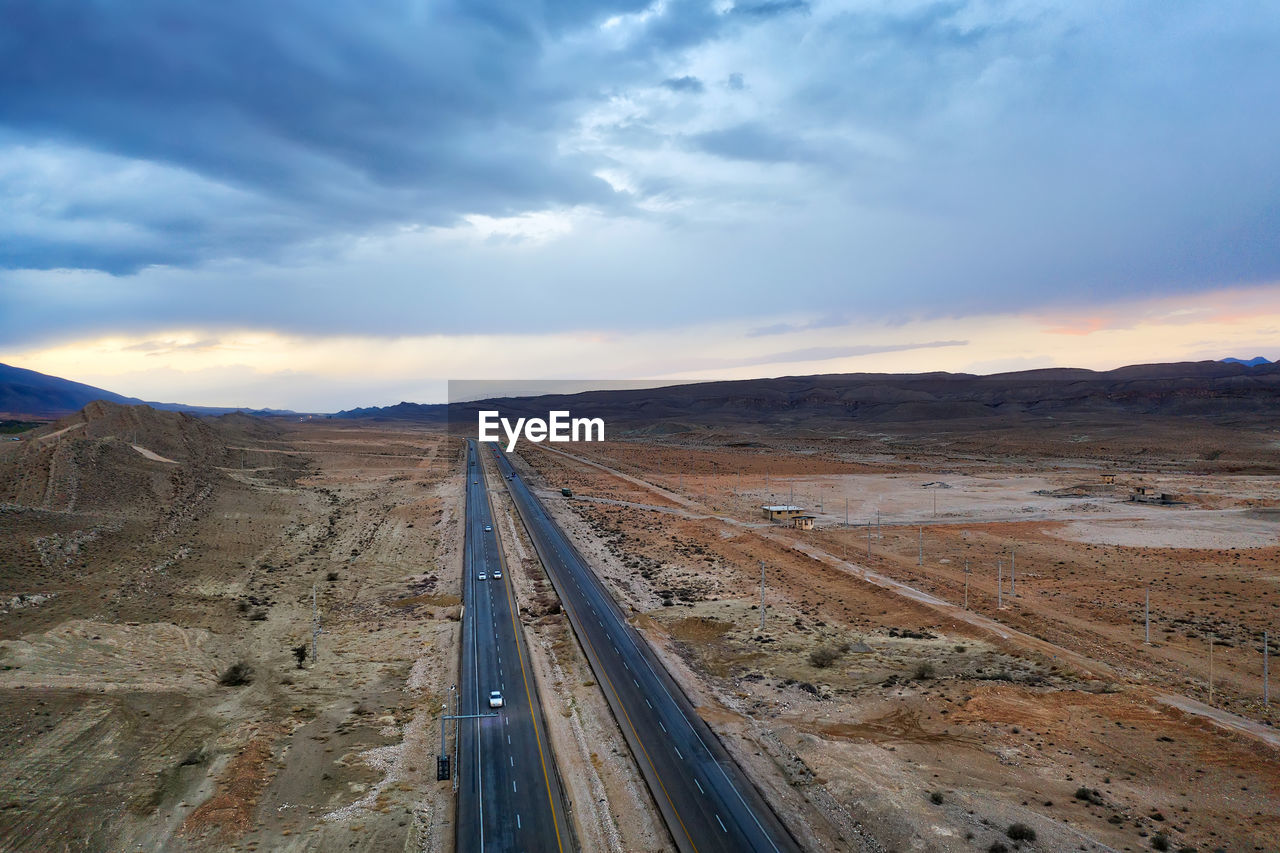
<point x="705" y="799"/>
<point x="509" y="795"/>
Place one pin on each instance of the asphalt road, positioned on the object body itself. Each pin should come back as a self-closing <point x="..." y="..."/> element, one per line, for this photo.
<point x="704" y="797"/>
<point x="509" y="796"/>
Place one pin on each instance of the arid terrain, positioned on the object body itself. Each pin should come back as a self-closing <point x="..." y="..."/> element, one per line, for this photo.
<point x="877" y="711"/>
<point x="158" y="574"/>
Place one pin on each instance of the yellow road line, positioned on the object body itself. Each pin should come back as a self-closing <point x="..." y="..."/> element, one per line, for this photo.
<point x="511" y="607"/>
<point x="631" y="725"/>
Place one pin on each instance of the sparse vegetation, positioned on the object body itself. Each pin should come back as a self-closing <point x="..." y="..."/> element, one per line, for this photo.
<point x="937" y="798"/>
<point x="1089" y="795"/>
<point x="923" y="672"/>
<point x="237" y="675"/>
<point x="823" y="656"/>
<point x="1159" y="841"/>
<point x="300" y="655"/>
<point x="1020" y="832"/>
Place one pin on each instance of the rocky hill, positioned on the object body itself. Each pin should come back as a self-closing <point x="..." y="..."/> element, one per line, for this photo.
<point x="112" y="458"/>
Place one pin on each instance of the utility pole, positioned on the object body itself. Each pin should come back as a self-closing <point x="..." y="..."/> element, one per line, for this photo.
<point x="1211" y="644"/>
<point x="920" y="555"/>
<point x="868" y="539"/>
<point x="315" y="623"/>
<point x="1266" y="672"/>
<point x="878" y="534"/>
<point x="457" y="710"/>
<point x="791" y="496"/>
<point x="846" y="513"/>
<point x="1013" y="572"/>
<point x="762" y="596"/>
<point x="999" y="583"/>
<point x="1146" y="618"/>
<point x="966" y="584"/>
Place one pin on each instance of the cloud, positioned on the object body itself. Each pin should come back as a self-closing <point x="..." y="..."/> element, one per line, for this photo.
<point x="753" y="142"/>
<point x="686" y="83"/>
<point x="356" y="168"/>
<point x="827" y="322"/>
<point x="770" y="8"/>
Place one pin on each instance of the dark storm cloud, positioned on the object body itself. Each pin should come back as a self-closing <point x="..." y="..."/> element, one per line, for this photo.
<point x="332" y="115"/>
<point x="938" y="158"/>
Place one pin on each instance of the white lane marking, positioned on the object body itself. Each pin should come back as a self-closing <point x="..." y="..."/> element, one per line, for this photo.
<point x="513" y="788"/>
<point x="517" y="820"/>
<point x="508" y="739"/>
<point x="719" y="821"/>
<point x="664" y="728"/>
<point x="677" y="749"/>
<point x="699" y="784"/>
<point x="647" y="703"/>
<point x="636" y="683"/>
<point x="512" y="759"/>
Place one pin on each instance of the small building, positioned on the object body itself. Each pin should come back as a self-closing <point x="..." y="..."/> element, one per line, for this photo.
<point x="1152" y="495"/>
<point x="803" y="522"/>
<point x="782" y="512"/>
<point x="1109" y="479"/>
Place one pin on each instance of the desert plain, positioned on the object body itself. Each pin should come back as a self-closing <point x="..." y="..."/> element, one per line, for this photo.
<point x="955" y="657"/>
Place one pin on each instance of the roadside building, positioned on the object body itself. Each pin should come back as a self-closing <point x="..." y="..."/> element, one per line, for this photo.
<point x="1109" y="479"/>
<point x="1152" y="495"/>
<point x="803" y="522"/>
<point x="782" y="512"/>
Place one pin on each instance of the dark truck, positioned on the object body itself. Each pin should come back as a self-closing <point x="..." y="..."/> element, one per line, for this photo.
<point x="568" y="493"/>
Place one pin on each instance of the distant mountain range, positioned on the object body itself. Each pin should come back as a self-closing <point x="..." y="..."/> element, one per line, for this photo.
<point x="1221" y="390"/>
<point x="26" y="393"/>
<point x="1218" y="390"/>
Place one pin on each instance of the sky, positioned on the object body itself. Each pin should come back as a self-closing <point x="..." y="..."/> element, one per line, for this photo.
<point x="318" y="206"/>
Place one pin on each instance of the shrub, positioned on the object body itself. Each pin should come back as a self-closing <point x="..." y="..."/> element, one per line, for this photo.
<point x="1160" y="842"/>
<point x="936" y="798"/>
<point x="300" y="654"/>
<point x="237" y="675"/>
<point x="923" y="672"/>
<point x="1089" y="795"/>
<point x="823" y="656"/>
<point x="998" y="847"/>
<point x="1020" y="832"/>
<point x="331" y="577"/>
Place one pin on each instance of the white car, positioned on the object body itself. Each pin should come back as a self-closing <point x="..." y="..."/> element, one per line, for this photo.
<point x="495" y="699"/>
<point x="482" y="577"/>
<point x="497" y="574"/>
<point x="488" y="528"/>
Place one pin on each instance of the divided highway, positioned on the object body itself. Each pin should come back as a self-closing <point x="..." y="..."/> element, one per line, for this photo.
<point x="509" y="796"/>
<point x="704" y="797"/>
